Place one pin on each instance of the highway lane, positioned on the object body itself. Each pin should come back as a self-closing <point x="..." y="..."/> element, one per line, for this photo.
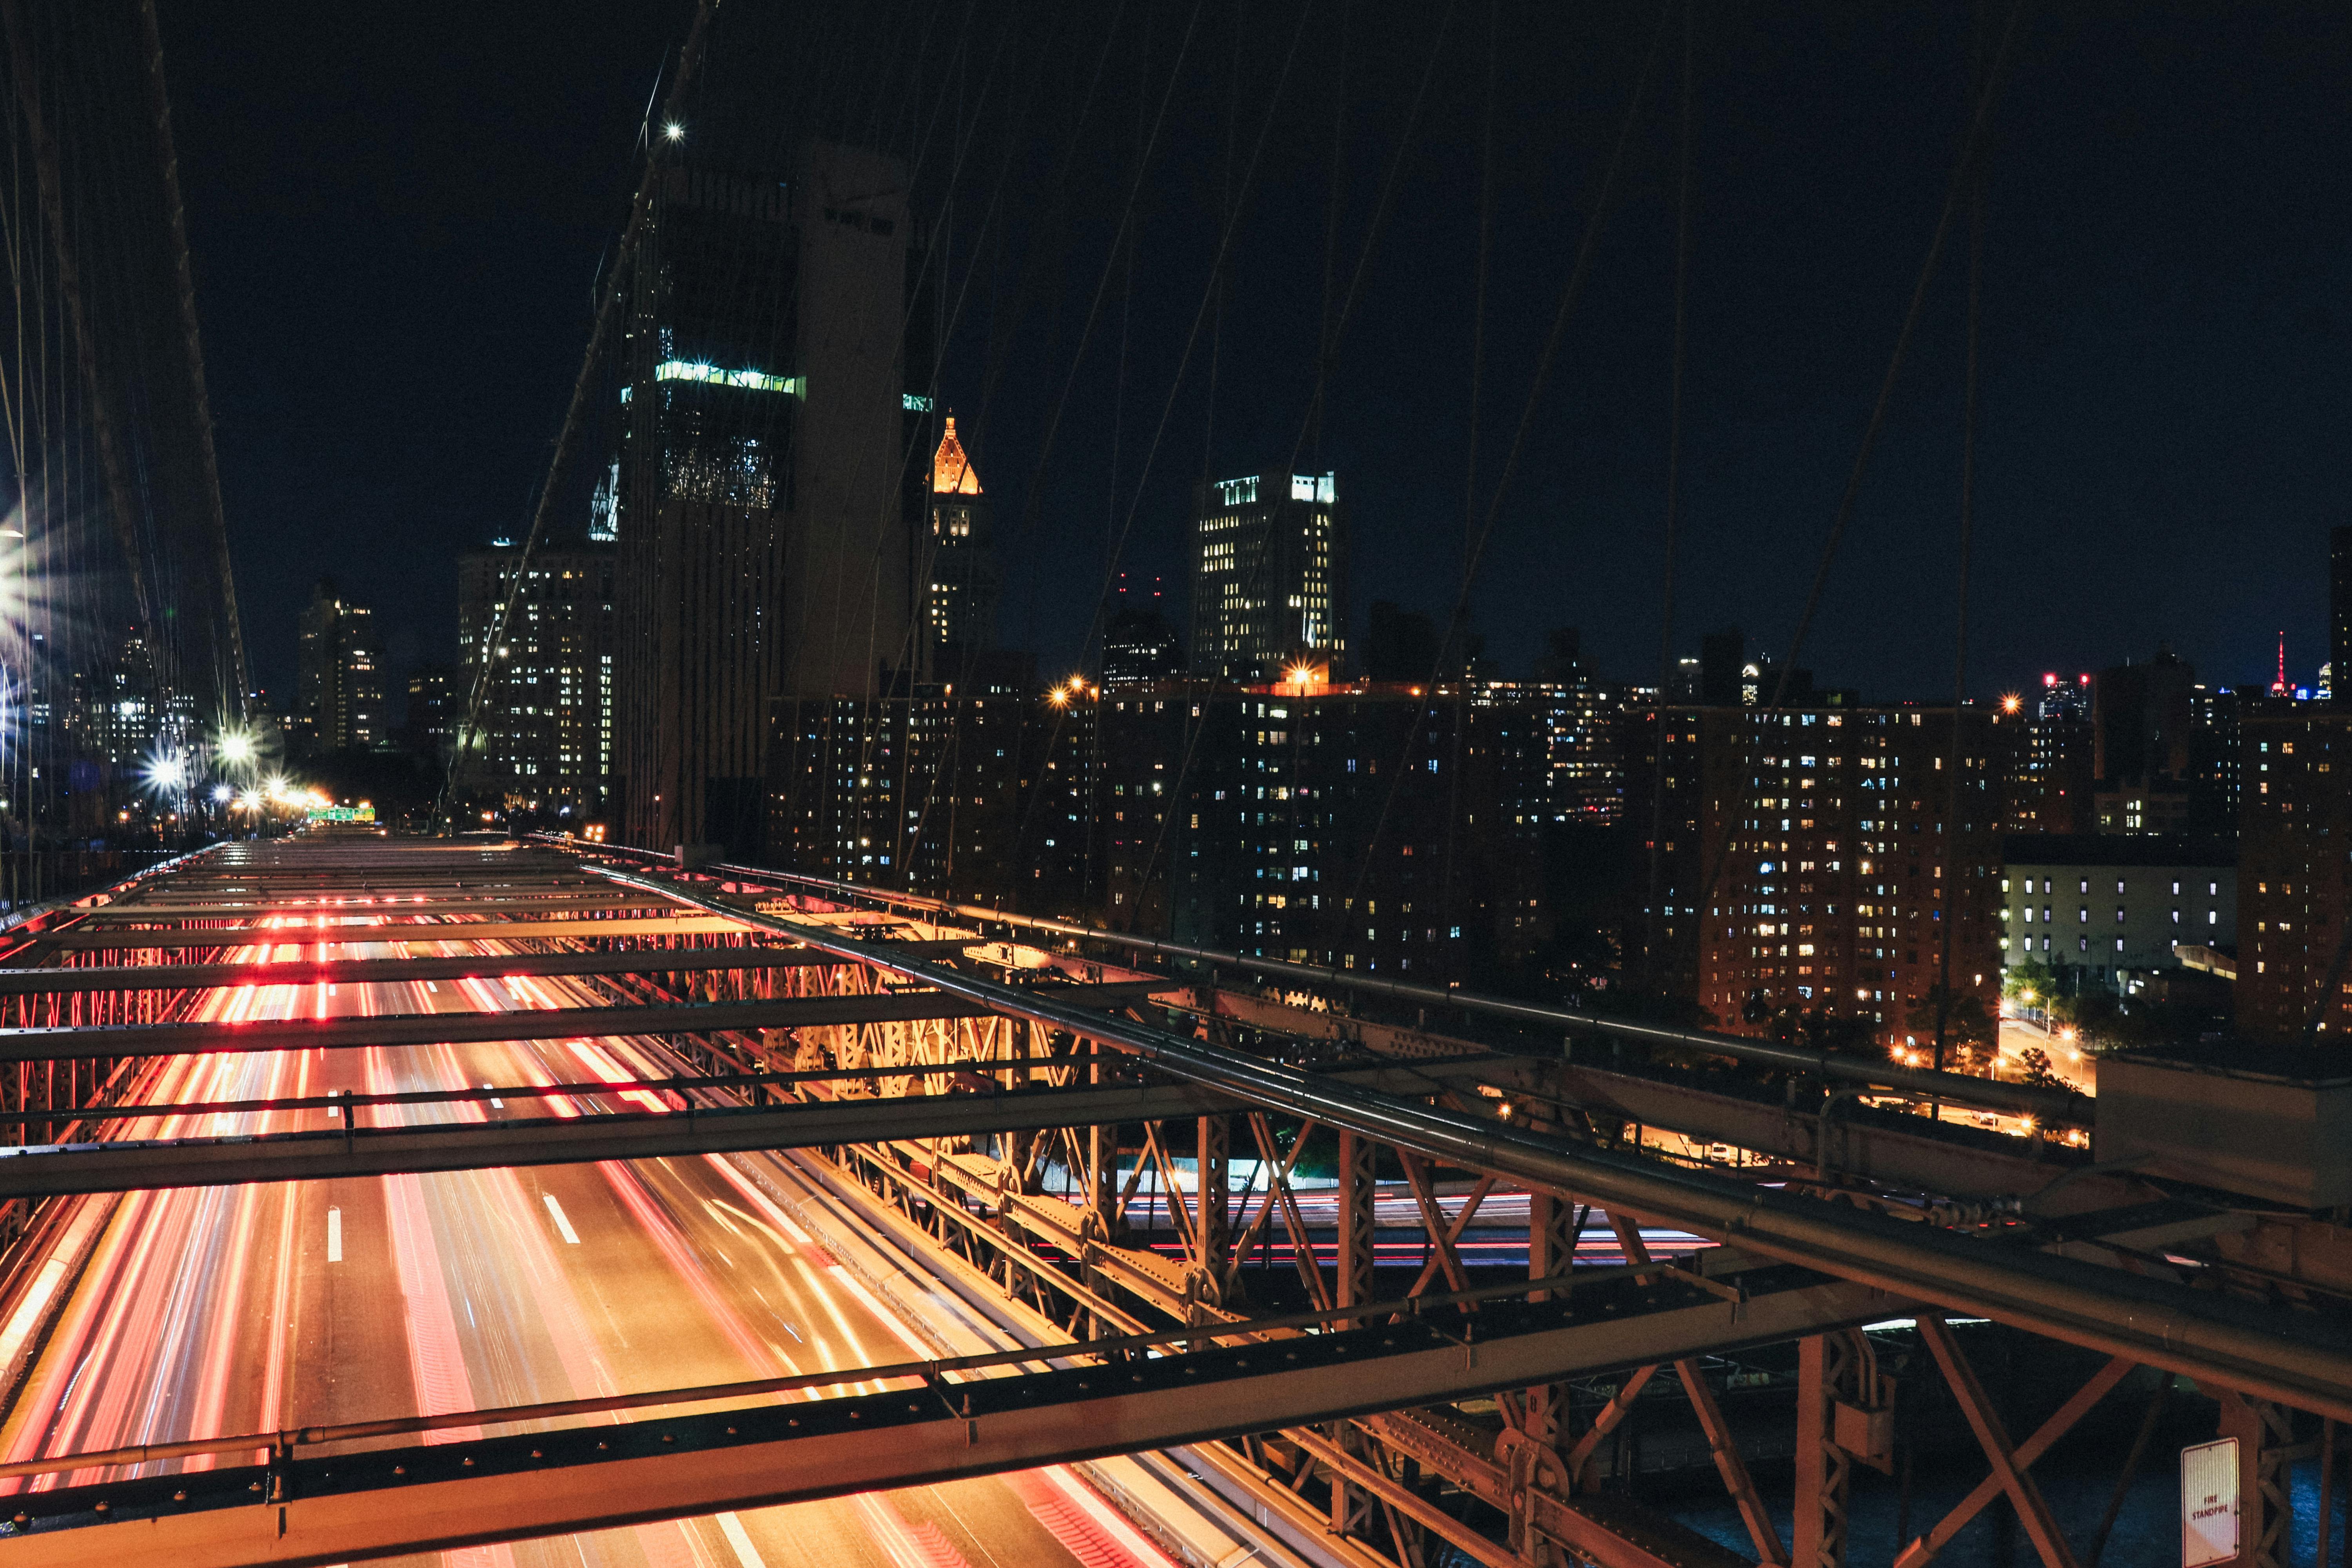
<point x="204" y="1312"/>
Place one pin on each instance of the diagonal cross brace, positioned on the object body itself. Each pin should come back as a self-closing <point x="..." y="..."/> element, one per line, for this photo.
<point x="1924" y="1549"/>
<point x="2007" y="1468"/>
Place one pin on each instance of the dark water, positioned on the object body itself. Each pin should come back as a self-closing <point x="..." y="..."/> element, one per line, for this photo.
<point x="2146" y="1535"/>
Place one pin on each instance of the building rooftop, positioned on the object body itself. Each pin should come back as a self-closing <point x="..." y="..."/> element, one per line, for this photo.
<point x="951" y="472"/>
<point x="2116" y="849"/>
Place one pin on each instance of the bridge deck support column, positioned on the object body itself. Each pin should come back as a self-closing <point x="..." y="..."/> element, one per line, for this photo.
<point x="1213" y="1152"/>
<point x="1552" y="1249"/>
<point x="1354" y="1282"/>
<point x="2263" y="1431"/>
<point x="1350" y="1503"/>
<point x="1824" y="1476"/>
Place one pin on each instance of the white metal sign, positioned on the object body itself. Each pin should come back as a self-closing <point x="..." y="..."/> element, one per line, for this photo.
<point x="2209" y="1503"/>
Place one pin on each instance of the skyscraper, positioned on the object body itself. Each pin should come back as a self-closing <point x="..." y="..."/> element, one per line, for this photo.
<point x="338" y="692"/>
<point x="961" y="582"/>
<point x="1139" y="644"/>
<point x="546" y="735"/>
<point x="1269" y="575"/>
<point x="2052" y="767"/>
<point x="770" y="476"/>
<point x="2140" y="716"/>
<point x="436" y="706"/>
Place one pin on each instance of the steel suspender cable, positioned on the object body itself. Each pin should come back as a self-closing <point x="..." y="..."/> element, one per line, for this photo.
<point x="235" y="678"/>
<point x="1978" y="125"/>
<point x="1649" y="977"/>
<point x="582" y="388"/>
<point x="1950" y="913"/>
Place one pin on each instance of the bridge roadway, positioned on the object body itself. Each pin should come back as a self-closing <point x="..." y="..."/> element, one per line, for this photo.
<point x="265" y="1306"/>
<point x="221" y="1311"/>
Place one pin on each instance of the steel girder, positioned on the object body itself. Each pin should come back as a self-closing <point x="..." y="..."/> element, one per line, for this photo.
<point x="2298" y="1359"/>
<point x="586" y="927"/>
<point x="381" y="971"/>
<point x="297" y="1510"/>
<point x="507" y="903"/>
<point x="114" y="1041"/>
<point x="131" y="1165"/>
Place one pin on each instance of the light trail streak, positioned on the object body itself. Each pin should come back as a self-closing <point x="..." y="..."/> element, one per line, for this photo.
<point x="248" y="1309"/>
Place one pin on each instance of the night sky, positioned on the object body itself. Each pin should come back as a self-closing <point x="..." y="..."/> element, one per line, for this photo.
<point x="397" y="215"/>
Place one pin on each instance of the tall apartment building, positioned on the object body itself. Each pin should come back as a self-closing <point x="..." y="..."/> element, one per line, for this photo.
<point x="1803" y="861"/>
<point x="2053" y="763"/>
<point x="921" y="790"/>
<point x="338" y="687"/>
<point x="1269" y="563"/>
<point x="437" y="707"/>
<point x="1359" y="828"/>
<point x="546" y="737"/>
<point x="1584" y="770"/>
<point x="961" y="577"/>
<point x="771" y="477"/>
<point x="1238" y="820"/>
<point x="2293" y="899"/>
<point x="2141" y="714"/>
<point x="2213" y="762"/>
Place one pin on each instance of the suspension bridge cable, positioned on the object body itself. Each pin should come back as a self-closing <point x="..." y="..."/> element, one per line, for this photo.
<point x="1570" y="292"/>
<point x="1963" y="164"/>
<point x="582" y="388"/>
<point x="1192" y="340"/>
<point x="1326" y="358"/>
<point x="1953" y="755"/>
<point x="235" y="677"/>
<point x="1673" y="504"/>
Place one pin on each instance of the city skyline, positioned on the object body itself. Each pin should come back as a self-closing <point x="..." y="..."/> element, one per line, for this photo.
<point x="2092" y="246"/>
<point x="1397" y="945"/>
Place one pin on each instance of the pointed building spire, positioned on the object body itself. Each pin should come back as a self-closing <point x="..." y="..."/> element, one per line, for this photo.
<point x="951" y="472"/>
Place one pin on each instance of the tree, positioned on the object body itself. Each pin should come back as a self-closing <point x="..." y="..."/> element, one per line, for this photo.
<point x="2030" y="983"/>
<point x="2039" y="1074"/>
<point x="1968" y="1029"/>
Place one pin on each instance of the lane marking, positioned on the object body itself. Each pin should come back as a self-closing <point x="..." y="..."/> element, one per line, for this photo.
<point x="562" y="1226"/>
<point x="496" y="1104"/>
<point x="334" y="1235"/>
<point x="741" y="1540"/>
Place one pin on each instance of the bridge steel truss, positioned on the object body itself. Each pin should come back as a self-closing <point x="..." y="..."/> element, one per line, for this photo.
<point x="1012" y="1108"/>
